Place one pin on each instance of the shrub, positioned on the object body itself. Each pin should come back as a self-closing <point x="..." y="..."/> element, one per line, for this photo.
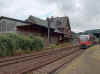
<point x="11" y="43"/>
<point x="27" y="43"/>
<point x="37" y="43"/>
<point x="6" y="46"/>
<point x="18" y="39"/>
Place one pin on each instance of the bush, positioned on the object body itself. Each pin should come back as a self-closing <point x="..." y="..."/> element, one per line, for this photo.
<point x="11" y="43"/>
<point x="6" y="46"/>
<point x="18" y="39"/>
<point x="37" y="43"/>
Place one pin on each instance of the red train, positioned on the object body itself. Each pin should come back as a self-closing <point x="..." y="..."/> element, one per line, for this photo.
<point x="86" y="41"/>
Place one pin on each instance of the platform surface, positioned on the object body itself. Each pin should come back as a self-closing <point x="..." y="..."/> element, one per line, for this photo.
<point x="87" y="63"/>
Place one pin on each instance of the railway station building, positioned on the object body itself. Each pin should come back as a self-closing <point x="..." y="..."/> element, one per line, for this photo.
<point x="59" y="27"/>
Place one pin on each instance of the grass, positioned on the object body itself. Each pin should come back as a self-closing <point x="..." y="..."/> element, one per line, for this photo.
<point x="67" y="44"/>
<point x="94" y="47"/>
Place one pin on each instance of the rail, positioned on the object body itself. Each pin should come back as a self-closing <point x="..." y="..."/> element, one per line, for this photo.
<point x="27" y="63"/>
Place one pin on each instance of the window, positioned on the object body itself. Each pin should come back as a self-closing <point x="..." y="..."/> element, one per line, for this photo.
<point x="7" y="27"/>
<point x="60" y="37"/>
<point x="84" y="38"/>
<point x="61" y="29"/>
<point x="0" y="27"/>
<point x="3" y="26"/>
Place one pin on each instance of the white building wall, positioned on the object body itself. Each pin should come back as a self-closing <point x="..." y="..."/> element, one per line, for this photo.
<point x="7" y="25"/>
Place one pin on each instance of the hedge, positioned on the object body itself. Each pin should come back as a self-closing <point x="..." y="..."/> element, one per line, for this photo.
<point x="10" y="43"/>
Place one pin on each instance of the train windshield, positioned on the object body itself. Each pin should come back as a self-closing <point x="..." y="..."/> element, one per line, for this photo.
<point x="83" y="38"/>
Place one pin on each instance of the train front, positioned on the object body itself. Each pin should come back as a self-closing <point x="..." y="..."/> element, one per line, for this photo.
<point x="84" y="41"/>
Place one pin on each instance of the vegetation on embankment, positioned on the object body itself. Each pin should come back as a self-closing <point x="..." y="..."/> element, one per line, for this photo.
<point x="15" y="44"/>
<point x="11" y="44"/>
<point x="61" y="45"/>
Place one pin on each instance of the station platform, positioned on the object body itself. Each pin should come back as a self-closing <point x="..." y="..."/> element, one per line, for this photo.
<point x="87" y="63"/>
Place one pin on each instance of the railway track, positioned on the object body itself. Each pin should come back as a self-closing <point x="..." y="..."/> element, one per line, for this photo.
<point x="17" y="59"/>
<point x="57" y="66"/>
<point x="27" y="63"/>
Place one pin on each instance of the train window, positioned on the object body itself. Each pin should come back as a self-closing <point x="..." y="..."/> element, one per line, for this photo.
<point x="83" y="38"/>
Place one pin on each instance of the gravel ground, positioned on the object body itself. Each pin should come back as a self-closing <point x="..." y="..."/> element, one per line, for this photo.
<point x="87" y="63"/>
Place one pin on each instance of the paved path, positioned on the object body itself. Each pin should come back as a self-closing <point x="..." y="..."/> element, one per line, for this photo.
<point x="87" y="63"/>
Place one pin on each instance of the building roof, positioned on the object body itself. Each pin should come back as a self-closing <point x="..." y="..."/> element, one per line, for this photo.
<point x="55" y="22"/>
<point x="3" y="17"/>
<point x="39" y="21"/>
<point x="36" y="21"/>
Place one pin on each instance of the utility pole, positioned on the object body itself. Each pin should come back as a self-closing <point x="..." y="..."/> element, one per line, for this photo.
<point x="98" y="35"/>
<point x="48" y="20"/>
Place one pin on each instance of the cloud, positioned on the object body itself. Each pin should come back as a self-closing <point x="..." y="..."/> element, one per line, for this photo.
<point x="83" y="14"/>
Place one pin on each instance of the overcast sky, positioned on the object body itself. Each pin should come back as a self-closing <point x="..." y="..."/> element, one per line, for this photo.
<point x="83" y="14"/>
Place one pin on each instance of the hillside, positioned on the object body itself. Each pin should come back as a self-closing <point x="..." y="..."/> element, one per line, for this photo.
<point x="90" y="31"/>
